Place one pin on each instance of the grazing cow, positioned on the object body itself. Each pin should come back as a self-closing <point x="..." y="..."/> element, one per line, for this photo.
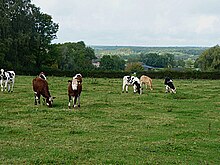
<point x="147" y="81"/>
<point x="75" y="89"/>
<point x="169" y="85"/>
<point x="42" y="75"/>
<point x="131" y="81"/>
<point x="7" y="80"/>
<point x="40" y="87"/>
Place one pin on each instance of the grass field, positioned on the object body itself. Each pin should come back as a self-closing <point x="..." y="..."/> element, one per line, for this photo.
<point x="112" y="127"/>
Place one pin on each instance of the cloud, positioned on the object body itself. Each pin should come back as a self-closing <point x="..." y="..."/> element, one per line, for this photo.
<point x="207" y="24"/>
<point x="136" y="22"/>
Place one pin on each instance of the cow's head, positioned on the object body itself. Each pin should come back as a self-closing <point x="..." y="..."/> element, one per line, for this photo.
<point x="137" y="87"/>
<point x="170" y="88"/>
<point x="42" y="75"/>
<point x="2" y="72"/>
<point x="49" y="101"/>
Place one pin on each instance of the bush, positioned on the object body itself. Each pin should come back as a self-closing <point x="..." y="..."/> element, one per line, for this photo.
<point x="120" y="74"/>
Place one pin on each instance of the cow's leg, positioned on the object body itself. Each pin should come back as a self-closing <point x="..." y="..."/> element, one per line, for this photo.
<point x="69" y="101"/>
<point x="126" y="88"/>
<point x="35" y="98"/>
<point x="1" y="82"/>
<point x="173" y="90"/>
<point x="74" y="101"/>
<point x="134" y="87"/>
<point x="79" y="101"/>
<point x="44" y="101"/>
<point x="142" y="88"/>
<point x="167" y="89"/>
<point x="9" y="86"/>
<point x="151" y="87"/>
<point x="123" y="88"/>
<point x="5" y="87"/>
<point x="12" y="85"/>
<point x="38" y="98"/>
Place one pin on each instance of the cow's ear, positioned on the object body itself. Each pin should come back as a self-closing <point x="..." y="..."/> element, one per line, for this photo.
<point x="54" y="97"/>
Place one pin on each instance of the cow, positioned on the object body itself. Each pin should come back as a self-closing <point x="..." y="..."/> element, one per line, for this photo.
<point x="131" y="81"/>
<point x="40" y="87"/>
<point x="7" y="80"/>
<point x="169" y="86"/>
<point x="147" y="81"/>
<point x="42" y="75"/>
<point x="74" y="90"/>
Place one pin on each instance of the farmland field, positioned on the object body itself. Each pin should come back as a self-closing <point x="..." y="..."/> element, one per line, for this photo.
<point x="112" y="127"/>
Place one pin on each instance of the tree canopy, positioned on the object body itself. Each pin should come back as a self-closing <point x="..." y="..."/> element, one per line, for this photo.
<point x="153" y="59"/>
<point x="209" y="60"/>
<point x="73" y="56"/>
<point x="112" y="63"/>
<point x="25" y="35"/>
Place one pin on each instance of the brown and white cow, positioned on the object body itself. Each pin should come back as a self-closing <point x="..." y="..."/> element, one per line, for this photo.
<point x="40" y="87"/>
<point x="75" y="89"/>
<point x="147" y="81"/>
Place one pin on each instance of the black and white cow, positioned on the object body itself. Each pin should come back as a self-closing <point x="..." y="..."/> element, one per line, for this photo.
<point x="131" y="81"/>
<point x="169" y="85"/>
<point x="7" y="80"/>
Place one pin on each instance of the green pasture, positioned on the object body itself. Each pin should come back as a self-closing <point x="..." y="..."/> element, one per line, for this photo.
<point x="112" y="127"/>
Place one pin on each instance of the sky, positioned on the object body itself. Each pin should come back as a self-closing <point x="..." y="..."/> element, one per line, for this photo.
<point x="135" y="22"/>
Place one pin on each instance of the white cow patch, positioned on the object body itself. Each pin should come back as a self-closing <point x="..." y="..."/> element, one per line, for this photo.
<point x="74" y="84"/>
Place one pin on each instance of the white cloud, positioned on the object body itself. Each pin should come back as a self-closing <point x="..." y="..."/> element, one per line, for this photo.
<point x="136" y="22"/>
<point x="207" y="24"/>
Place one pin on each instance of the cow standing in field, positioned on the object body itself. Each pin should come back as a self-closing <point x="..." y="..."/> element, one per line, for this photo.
<point x="40" y="87"/>
<point x="7" y="80"/>
<point x="131" y="81"/>
<point x="147" y="81"/>
<point x="74" y="90"/>
<point x="169" y="86"/>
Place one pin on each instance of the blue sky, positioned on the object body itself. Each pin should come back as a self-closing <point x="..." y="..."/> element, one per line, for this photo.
<point x="135" y="22"/>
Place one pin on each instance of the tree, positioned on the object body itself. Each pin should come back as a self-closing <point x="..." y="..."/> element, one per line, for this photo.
<point x="45" y="32"/>
<point x="25" y="34"/>
<point x="112" y="63"/>
<point x="209" y="60"/>
<point x="170" y="62"/>
<point x="150" y="59"/>
<point x="153" y="59"/>
<point x="134" y="67"/>
<point x="180" y="63"/>
<point x="189" y="63"/>
<point x="74" y="56"/>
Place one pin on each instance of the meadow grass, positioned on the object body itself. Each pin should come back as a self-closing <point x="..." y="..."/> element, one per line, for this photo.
<point x="112" y="127"/>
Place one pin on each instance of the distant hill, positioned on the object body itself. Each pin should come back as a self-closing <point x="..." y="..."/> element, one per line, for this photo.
<point x="179" y="52"/>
